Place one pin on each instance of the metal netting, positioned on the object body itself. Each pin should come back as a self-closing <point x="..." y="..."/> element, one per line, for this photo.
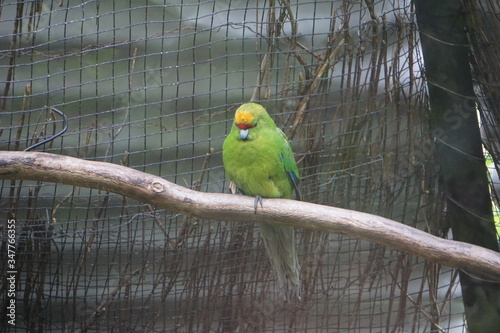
<point x="153" y="85"/>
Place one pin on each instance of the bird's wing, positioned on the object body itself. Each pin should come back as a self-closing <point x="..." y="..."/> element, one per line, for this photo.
<point x="289" y="164"/>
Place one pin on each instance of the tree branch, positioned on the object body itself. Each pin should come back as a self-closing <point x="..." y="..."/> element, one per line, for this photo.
<point x="154" y="190"/>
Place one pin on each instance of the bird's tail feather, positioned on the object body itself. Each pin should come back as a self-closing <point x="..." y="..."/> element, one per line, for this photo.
<point x="280" y="246"/>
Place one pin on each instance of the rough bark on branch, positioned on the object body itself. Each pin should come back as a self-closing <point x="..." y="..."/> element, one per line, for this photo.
<point x="154" y="190"/>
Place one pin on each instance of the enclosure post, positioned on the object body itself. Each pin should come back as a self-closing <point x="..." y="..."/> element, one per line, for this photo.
<point x="456" y="134"/>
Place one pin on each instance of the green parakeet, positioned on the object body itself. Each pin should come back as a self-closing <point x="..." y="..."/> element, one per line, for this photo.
<point x="259" y="160"/>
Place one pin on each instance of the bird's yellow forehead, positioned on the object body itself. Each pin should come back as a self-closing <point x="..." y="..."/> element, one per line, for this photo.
<point x="243" y="116"/>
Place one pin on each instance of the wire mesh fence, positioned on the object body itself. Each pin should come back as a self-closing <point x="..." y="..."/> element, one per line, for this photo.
<point x="153" y="86"/>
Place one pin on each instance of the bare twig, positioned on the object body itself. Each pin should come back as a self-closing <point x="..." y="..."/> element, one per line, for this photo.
<point x="218" y="206"/>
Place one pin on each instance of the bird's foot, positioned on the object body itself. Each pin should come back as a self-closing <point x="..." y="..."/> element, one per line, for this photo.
<point x="258" y="199"/>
